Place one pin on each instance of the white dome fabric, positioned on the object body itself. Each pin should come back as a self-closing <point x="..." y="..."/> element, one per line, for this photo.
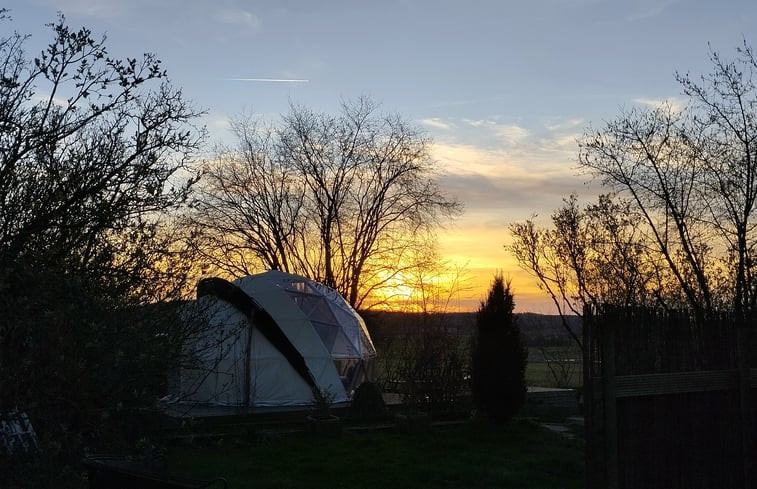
<point x="340" y="327"/>
<point x="325" y="330"/>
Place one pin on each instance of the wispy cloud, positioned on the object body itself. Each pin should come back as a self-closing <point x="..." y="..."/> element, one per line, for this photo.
<point x="436" y="123"/>
<point x="508" y="134"/>
<point x="500" y="185"/>
<point x="508" y="174"/>
<point x="480" y="122"/>
<point x="511" y="135"/>
<point x="59" y="101"/>
<point x="674" y="103"/>
<point x="554" y="161"/>
<point x="512" y="167"/>
<point x="651" y="9"/>
<point x="238" y="17"/>
<point x="563" y="125"/>
<point x="269" y="80"/>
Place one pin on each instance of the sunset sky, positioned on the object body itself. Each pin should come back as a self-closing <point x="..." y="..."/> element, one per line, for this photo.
<point x="503" y="87"/>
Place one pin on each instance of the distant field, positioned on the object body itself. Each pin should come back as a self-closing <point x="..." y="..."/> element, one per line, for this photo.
<point x="472" y="455"/>
<point x="543" y="335"/>
<point x="537" y="329"/>
<point x="566" y="361"/>
<point x="538" y="374"/>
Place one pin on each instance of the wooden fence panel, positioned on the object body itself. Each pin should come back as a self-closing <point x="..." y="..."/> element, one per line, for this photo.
<point x="668" y="400"/>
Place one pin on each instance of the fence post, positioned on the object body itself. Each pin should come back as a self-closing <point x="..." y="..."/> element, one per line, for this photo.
<point x="610" y="403"/>
<point x="743" y="347"/>
<point x="594" y="479"/>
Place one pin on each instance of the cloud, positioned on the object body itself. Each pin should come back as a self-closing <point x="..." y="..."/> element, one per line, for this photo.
<point x="517" y="147"/>
<point x="59" y="101"/>
<point x="676" y="104"/>
<point x="651" y="10"/>
<point x="511" y="135"/>
<point x="436" y="123"/>
<point x="269" y="80"/>
<point x="509" y="174"/>
<point x="563" y="125"/>
<point x="238" y="17"/>
<point x="480" y="122"/>
<point x="512" y="183"/>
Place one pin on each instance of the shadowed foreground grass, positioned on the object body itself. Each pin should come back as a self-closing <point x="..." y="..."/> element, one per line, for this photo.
<point x="519" y="454"/>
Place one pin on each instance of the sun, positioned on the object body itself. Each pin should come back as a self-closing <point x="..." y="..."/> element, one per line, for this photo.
<point x="410" y="291"/>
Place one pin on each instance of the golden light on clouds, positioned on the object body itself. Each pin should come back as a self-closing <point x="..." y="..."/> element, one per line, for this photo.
<point x="511" y="177"/>
<point x="481" y="252"/>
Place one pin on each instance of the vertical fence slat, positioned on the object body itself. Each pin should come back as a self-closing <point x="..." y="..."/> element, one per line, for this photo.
<point x="610" y="403"/>
<point x="748" y="433"/>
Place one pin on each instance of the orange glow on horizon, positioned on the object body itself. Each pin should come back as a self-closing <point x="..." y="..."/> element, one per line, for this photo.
<point x="471" y="260"/>
<point x="480" y="251"/>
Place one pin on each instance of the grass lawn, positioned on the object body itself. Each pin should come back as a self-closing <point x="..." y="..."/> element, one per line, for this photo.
<point x="519" y="454"/>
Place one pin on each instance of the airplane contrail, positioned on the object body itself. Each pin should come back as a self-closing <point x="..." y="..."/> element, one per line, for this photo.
<point x="269" y="80"/>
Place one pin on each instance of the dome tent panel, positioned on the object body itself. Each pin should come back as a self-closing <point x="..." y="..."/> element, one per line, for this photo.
<point x="325" y="342"/>
<point x="343" y="347"/>
<point x="273" y="382"/>
<point x="216" y="354"/>
<point x="354" y="326"/>
<point x="327" y="332"/>
<point x="222" y="377"/>
<point x="301" y="333"/>
<point x="325" y="305"/>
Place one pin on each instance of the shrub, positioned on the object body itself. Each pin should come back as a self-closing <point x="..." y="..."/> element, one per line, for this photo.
<point x="368" y="402"/>
<point x="498" y="356"/>
<point x="426" y="363"/>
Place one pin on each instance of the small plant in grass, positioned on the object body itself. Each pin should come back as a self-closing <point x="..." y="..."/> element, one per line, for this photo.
<point x="562" y="365"/>
<point x="321" y="421"/>
<point x="498" y="361"/>
<point x="322" y="401"/>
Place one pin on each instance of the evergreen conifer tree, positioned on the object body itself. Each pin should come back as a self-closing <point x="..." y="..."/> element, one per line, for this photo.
<point x="498" y="356"/>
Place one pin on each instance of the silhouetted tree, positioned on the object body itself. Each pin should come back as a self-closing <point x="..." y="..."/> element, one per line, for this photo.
<point x="93" y="159"/>
<point x="680" y="229"/>
<point x="343" y="199"/>
<point x="691" y="175"/>
<point x="499" y="356"/>
<point x="589" y="256"/>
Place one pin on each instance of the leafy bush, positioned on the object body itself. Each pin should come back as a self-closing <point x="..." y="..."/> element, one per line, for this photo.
<point x="426" y="362"/>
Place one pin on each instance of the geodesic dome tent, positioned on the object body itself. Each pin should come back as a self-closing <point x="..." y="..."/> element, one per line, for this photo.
<point x="269" y="340"/>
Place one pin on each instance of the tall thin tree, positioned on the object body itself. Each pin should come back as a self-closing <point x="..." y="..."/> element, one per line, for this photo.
<point x="499" y="356"/>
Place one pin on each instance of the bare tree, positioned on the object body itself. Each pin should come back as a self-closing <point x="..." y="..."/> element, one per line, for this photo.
<point x="339" y="199"/>
<point x="587" y="257"/>
<point x="680" y="230"/>
<point x="691" y="176"/>
<point x="250" y="206"/>
<point x="725" y="126"/>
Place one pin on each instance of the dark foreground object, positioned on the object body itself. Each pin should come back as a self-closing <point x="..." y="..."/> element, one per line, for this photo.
<point x="112" y="472"/>
<point x="669" y="399"/>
